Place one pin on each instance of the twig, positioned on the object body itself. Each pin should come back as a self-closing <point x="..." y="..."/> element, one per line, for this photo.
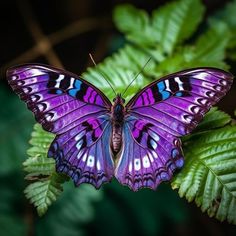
<point x="43" y="43"/>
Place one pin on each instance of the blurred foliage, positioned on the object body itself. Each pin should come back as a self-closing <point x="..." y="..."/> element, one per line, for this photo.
<point x="171" y="36"/>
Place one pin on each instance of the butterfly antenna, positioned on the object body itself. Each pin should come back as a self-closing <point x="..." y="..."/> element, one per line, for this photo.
<point x="136" y="76"/>
<point x="104" y="77"/>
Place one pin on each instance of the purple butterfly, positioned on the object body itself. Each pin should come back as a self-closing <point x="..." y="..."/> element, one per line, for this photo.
<point x="138" y="143"/>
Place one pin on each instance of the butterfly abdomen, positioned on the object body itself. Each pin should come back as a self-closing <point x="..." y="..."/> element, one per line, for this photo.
<point x="117" y="124"/>
<point x="116" y="137"/>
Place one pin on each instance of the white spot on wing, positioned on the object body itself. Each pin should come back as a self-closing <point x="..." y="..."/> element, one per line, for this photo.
<point x="98" y="165"/>
<point x="154" y="136"/>
<point x="180" y="83"/>
<point x="84" y="157"/>
<point x="79" y="144"/>
<point x="33" y="98"/>
<point x="78" y="137"/>
<point x="90" y="161"/>
<point x="153" y="144"/>
<point x="130" y="167"/>
<point x="25" y="90"/>
<point x="150" y="157"/>
<point x="71" y="83"/>
<point x="40" y="107"/>
<point x="223" y="82"/>
<point x="167" y="83"/>
<point x="201" y="76"/>
<point x="146" y="162"/>
<point x="48" y="117"/>
<point x="218" y="88"/>
<point x="60" y="78"/>
<point x="80" y="154"/>
<point x="188" y="118"/>
<point x="204" y="101"/>
<point x="137" y="164"/>
<point x="154" y="154"/>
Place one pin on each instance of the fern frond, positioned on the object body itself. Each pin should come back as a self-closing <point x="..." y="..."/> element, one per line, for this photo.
<point x="42" y="193"/>
<point x="215" y="118"/>
<point x="209" y="174"/>
<point x="176" y="22"/>
<point x="41" y="168"/>
<point x="168" y="26"/>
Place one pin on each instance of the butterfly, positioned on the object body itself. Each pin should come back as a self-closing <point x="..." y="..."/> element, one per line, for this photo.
<point x="96" y="139"/>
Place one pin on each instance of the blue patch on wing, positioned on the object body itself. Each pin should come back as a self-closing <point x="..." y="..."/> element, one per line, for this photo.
<point x="161" y="88"/>
<point x="58" y="91"/>
<point x="174" y="153"/>
<point x="179" y="94"/>
<point x="179" y="163"/>
<point x="77" y="85"/>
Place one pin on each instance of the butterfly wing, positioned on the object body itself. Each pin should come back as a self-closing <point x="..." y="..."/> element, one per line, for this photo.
<point x="83" y="154"/>
<point x="161" y="113"/>
<point x="76" y="112"/>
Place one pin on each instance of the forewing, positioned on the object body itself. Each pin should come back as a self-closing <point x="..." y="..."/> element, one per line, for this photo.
<point x="83" y="152"/>
<point x="74" y="110"/>
<point x="177" y="102"/>
<point x="59" y="100"/>
<point x="161" y="113"/>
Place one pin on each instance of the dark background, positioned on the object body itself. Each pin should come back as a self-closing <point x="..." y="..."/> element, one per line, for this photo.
<point x="62" y="33"/>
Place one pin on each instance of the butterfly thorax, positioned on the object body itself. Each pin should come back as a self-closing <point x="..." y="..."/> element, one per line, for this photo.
<point x="117" y="116"/>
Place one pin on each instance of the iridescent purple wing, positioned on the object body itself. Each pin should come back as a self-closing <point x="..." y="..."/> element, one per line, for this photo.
<point x="75" y="111"/>
<point x="161" y="113"/>
<point x="83" y="152"/>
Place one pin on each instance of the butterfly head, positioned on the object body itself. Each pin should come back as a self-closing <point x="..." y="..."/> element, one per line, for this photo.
<point x="118" y="109"/>
<point x="119" y="99"/>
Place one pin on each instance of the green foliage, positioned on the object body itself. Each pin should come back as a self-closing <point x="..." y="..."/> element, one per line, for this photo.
<point x="47" y="188"/>
<point x="120" y="69"/>
<point x="38" y="164"/>
<point x="42" y="193"/>
<point x="169" y="25"/>
<point x="227" y="16"/>
<point x="169" y="37"/>
<point x="213" y="119"/>
<point x="209" y="175"/>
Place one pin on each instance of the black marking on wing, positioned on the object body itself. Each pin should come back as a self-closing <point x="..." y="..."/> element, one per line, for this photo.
<point x="83" y="89"/>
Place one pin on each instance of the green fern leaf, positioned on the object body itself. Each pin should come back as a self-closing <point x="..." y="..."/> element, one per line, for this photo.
<point x="38" y="163"/>
<point x="135" y="23"/>
<point x="42" y="193"/>
<point x="209" y="50"/>
<point x="213" y="119"/>
<point x="176" y="22"/>
<point x="41" y="168"/>
<point x="209" y="174"/>
<point x="168" y="26"/>
<point x="227" y="15"/>
<point x="210" y="47"/>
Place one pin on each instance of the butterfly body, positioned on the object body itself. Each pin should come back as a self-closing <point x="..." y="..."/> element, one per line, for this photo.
<point x="138" y="143"/>
<point x="117" y="117"/>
